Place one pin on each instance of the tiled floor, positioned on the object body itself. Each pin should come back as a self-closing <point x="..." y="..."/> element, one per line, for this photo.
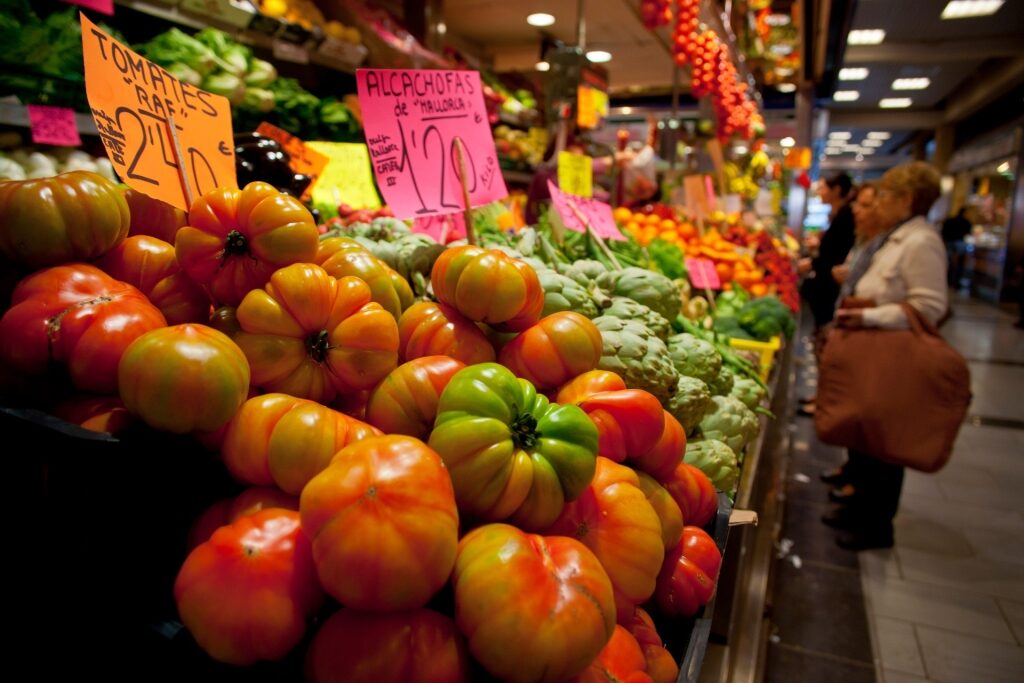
<point x="947" y="603"/>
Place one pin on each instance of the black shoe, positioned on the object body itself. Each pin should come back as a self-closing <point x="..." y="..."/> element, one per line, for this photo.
<point x="859" y="540"/>
<point x="843" y="494"/>
<point x="842" y="518"/>
<point x="835" y="477"/>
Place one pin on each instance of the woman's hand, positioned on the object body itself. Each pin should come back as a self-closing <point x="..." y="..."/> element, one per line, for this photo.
<point x="804" y="266"/>
<point x="840" y="273"/>
<point x="850" y="318"/>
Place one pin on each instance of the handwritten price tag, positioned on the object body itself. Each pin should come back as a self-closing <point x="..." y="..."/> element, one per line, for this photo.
<point x="576" y="174"/>
<point x="102" y="6"/>
<point x="412" y="119"/>
<point x="131" y="98"/>
<point x="598" y="214"/>
<point x="53" y="125"/>
<point x="346" y="177"/>
<point x="302" y="158"/>
<point x="444" y="228"/>
<point x="702" y="273"/>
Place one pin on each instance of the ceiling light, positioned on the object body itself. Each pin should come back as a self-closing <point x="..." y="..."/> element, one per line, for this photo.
<point x="965" y="9"/>
<point x="787" y="142"/>
<point x="784" y="72"/>
<point x="778" y="20"/>
<point x="542" y="66"/>
<point x="853" y="74"/>
<point x="860" y="157"/>
<point x="846" y="96"/>
<point x="1003" y="167"/>
<point x="626" y="110"/>
<point x="872" y="143"/>
<point x="540" y="20"/>
<point x="786" y="87"/>
<point x="911" y="83"/>
<point x="742" y="149"/>
<point x="833" y="150"/>
<point x="442" y="28"/>
<point x="879" y="135"/>
<point x="895" y="102"/>
<point x="866" y="36"/>
<point x="599" y="56"/>
<point x="781" y="49"/>
<point x="867" y="150"/>
<point x="840" y="135"/>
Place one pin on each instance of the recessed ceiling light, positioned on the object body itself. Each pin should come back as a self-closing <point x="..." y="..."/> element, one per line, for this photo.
<point x="781" y="49"/>
<point x="965" y="9"/>
<point x="542" y="66"/>
<point x="833" y="150"/>
<point x="740" y="149"/>
<point x="599" y="56"/>
<point x="540" y="20"/>
<point x="1003" y="167"/>
<point x="778" y="20"/>
<point x="911" y="83"/>
<point x="626" y="110"/>
<point x="866" y="36"/>
<point x="846" y="96"/>
<point x="786" y="87"/>
<point x="867" y="150"/>
<point x="853" y="74"/>
<point x="872" y="143"/>
<point x="879" y="135"/>
<point x="784" y="72"/>
<point x="840" y="135"/>
<point x="895" y="102"/>
<point x="787" y="142"/>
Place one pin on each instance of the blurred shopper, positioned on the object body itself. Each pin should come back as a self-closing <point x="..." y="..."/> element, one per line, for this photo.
<point x="865" y="228"/>
<point x="906" y="264"/>
<point x="954" y="230"/>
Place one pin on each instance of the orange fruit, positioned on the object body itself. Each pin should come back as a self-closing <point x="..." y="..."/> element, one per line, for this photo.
<point x="668" y="224"/>
<point x="652" y="219"/>
<point x="669" y="236"/>
<point x="633" y="228"/>
<point x="724" y="271"/>
<point x="622" y="215"/>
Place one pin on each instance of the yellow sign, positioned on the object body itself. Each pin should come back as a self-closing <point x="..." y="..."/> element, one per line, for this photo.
<point x="302" y="159"/>
<point x="539" y="139"/>
<point x="798" y="158"/>
<point x="576" y="174"/>
<point x="591" y="106"/>
<point x="347" y="178"/>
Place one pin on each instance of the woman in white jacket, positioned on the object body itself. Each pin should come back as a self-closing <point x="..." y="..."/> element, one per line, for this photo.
<point x="908" y="265"/>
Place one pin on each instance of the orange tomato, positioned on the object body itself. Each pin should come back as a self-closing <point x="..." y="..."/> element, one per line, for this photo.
<point x="686" y="230"/>
<point x="669" y="236"/>
<point x="668" y="225"/>
<point x="633" y="228"/>
<point x="724" y="271"/>
<point x="759" y="289"/>
<point x="652" y="219"/>
<point x="622" y="215"/>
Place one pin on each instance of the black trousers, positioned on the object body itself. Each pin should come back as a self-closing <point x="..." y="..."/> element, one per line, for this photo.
<point x="878" y="486"/>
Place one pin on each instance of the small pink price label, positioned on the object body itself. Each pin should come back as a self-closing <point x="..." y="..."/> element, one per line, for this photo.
<point x="53" y="125"/>
<point x="443" y="228"/>
<point x="571" y="210"/>
<point x="702" y="273"/>
<point x="414" y="122"/>
<point x="102" y="6"/>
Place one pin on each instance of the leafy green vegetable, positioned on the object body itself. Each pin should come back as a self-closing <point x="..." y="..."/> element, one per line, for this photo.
<point x="667" y="258"/>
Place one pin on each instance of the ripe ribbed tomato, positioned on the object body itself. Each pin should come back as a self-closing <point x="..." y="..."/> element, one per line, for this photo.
<point x="668" y="452"/>
<point x="553" y="351"/>
<point x="613" y="518"/>
<point x="665" y="506"/>
<point x="488" y="286"/>
<point x="245" y="594"/>
<point x="341" y="256"/>
<point x="153" y="217"/>
<point x="661" y="666"/>
<point x="150" y="264"/>
<point x="405" y="402"/>
<point x="533" y="608"/>
<point x="286" y="441"/>
<point x="76" y="216"/>
<point x="629" y="422"/>
<point x="78" y="316"/>
<point x="95" y="413"/>
<point x="693" y="492"/>
<point x="236" y="239"/>
<point x="418" y="646"/>
<point x="183" y="378"/>
<point x="687" y="579"/>
<point x="587" y="384"/>
<point x="312" y="336"/>
<point x="430" y="329"/>
<point x="384" y="525"/>
<point x="226" y="511"/>
<point x="620" y="661"/>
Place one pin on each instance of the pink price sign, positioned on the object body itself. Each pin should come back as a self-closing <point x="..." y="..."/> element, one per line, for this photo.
<point x="702" y="273"/>
<point x="571" y="209"/>
<point x="414" y="122"/>
<point x="443" y="228"/>
<point x="102" y="6"/>
<point x="53" y="125"/>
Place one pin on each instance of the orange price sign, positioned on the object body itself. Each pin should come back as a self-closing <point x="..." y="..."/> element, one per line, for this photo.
<point x="133" y="103"/>
<point x="303" y="159"/>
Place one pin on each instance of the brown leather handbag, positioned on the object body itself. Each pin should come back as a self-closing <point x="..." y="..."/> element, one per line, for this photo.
<point x="899" y="395"/>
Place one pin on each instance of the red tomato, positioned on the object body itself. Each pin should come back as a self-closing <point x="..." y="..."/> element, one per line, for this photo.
<point x="405" y="402"/>
<point x="245" y="594"/>
<point x="587" y="384"/>
<point x="621" y="661"/>
<point x="488" y="286"/>
<point x="613" y="518"/>
<point x="553" y="351"/>
<point x="433" y="329"/>
<point x="687" y="579"/>
<point x="629" y="422"/>
<point x="384" y="525"/>
<point x="183" y="378"/>
<point x="533" y="608"/>
<point x="693" y="492"/>
<point x="418" y="646"/>
<point x="668" y="452"/>
<point x="661" y="666"/>
<point x="153" y="217"/>
<point x="226" y="511"/>
<point x="669" y="514"/>
<point x="78" y="316"/>
<point x="95" y="413"/>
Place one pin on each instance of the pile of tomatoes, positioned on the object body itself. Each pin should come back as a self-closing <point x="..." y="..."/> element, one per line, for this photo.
<point x="395" y="449"/>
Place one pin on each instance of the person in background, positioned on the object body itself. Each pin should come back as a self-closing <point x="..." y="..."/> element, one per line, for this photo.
<point x="907" y="265"/>
<point x="819" y="288"/>
<point x="954" y="230"/>
<point x="865" y="228"/>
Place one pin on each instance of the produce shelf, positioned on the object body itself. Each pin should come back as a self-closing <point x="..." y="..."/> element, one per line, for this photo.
<point x="13" y="114"/>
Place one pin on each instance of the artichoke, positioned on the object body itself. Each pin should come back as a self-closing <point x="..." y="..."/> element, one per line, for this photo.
<point x="690" y="402"/>
<point x="695" y="357"/>
<point x="749" y="392"/>
<point x="628" y="309"/>
<point x="587" y="273"/>
<point x="563" y="294"/>
<point x="716" y="460"/>
<point x="653" y="290"/>
<point x="722" y="384"/>
<point x="634" y="352"/>
<point x="730" y="422"/>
